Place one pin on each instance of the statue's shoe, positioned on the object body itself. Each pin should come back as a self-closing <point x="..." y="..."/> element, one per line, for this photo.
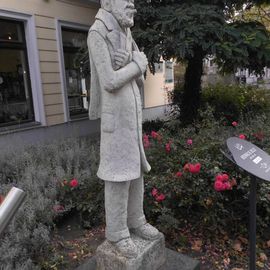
<point x="126" y="247"/>
<point x="146" y="231"/>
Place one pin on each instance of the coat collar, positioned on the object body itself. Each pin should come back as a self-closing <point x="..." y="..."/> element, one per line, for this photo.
<point x="109" y="20"/>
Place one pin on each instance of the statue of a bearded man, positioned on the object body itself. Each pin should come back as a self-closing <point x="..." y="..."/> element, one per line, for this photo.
<point x="117" y="68"/>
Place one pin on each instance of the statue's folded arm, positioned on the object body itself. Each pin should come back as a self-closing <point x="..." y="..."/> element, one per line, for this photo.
<point x="109" y="79"/>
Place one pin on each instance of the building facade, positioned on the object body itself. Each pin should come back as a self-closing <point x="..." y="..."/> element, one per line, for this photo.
<point x="44" y="84"/>
<point x="244" y="76"/>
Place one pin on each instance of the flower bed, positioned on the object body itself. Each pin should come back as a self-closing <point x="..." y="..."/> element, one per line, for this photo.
<point x="191" y="182"/>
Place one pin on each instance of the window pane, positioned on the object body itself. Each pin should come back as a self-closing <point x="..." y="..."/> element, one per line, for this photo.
<point x="74" y="39"/>
<point x="15" y="91"/>
<point x="77" y="78"/>
<point x="159" y="67"/>
<point x="168" y="72"/>
<point x="11" y="31"/>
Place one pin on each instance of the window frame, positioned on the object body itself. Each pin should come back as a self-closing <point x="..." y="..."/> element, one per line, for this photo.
<point x="72" y="26"/>
<point x="32" y="59"/>
<point x="17" y="46"/>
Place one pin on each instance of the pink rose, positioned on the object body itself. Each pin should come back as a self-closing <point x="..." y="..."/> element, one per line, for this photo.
<point x="74" y="183"/>
<point x="242" y="136"/>
<point x="189" y="142"/>
<point x="2" y="198"/>
<point x="168" y="147"/>
<point x="219" y="177"/>
<point x="179" y="174"/>
<point x="186" y="167"/>
<point x="58" y="208"/>
<point x="225" y="177"/>
<point x="154" y="134"/>
<point x="154" y="192"/>
<point x="233" y="182"/>
<point x="195" y="168"/>
<point x="218" y="186"/>
<point x="234" y="124"/>
<point x="160" y="198"/>
<point x="227" y="186"/>
<point x="259" y="136"/>
<point x="146" y="142"/>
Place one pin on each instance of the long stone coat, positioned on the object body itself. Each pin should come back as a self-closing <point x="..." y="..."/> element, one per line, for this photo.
<point x="115" y="97"/>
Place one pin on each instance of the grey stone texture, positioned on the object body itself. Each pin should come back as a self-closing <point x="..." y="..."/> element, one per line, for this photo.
<point x="174" y="261"/>
<point x="115" y="97"/>
<point x="151" y="256"/>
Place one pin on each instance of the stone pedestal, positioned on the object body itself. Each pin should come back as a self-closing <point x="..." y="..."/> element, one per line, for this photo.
<point x="151" y="256"/>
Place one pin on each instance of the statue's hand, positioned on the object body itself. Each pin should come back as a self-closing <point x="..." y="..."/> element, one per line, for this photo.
<point x="121" y="58"/>
<point x="140" y="59"/>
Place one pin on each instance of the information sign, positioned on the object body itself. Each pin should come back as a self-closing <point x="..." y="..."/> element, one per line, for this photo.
<point x="250" y="157"/>
<point x="256" y="162"/>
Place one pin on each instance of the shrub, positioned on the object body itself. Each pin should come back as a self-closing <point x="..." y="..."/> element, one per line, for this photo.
<point x="189" y="192"/>
<point x="27" y="239"/>
<point x="40" y="172"/>
<point x="229" y="101"/>
<point x="232" y="101"/>
<point x="150" y="125"/>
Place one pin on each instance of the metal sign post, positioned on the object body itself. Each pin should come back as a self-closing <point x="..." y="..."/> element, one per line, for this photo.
<point x="9" y="207"/>
<point x="252" y="222"/>
<point x="256" y="162"/>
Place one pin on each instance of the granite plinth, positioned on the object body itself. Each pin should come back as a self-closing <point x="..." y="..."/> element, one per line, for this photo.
<point x="174" y="261"/>
<point x="151" y="255"/>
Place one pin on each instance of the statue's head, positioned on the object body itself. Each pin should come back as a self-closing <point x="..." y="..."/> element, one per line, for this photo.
<point x="122" y="10"/>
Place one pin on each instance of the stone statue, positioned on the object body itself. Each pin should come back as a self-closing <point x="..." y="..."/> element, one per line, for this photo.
<point x="117" y="68"/>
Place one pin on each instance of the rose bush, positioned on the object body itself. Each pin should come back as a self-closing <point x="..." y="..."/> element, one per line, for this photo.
<point x="198" y="184"/>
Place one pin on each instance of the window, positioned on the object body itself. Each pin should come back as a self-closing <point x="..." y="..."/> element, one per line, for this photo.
<point x="77" y="73"/>
<point x="16" y="105"/>
<point x="169" y="72"/>
<point x="159" y="67"/>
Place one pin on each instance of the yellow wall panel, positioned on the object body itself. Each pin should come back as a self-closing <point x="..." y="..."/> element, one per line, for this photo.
<point x="54" y="109"/>
<point x="53" y="99"/>
<point x="55" y="119"/>
<point x="48" y="56"/>
<point x="50" y="78"/>
<point x="49" y="67"/>
<point x="47" y="22"/>
<point x="46" y="33"/>
<point x="51" y="88"/>
<point x="47" y="45"/>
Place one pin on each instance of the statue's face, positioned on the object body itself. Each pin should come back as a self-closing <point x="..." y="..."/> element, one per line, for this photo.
<point x="123" y="11"/>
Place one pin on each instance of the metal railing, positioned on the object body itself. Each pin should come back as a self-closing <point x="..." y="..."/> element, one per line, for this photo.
<point x="9" y="207"/>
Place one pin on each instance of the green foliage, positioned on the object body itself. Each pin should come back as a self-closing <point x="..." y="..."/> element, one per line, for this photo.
<point x="191" y="30"/>
<point x="27" y="239"/>
<point x="157" y="124"/>
<point x="174" y="29"/>
<point x="230" y="102"/>
<point x="245" y="45"/>
<point x="40" y="172"/>
<point x="234" y="101"/>
<point x="191" y="198"/>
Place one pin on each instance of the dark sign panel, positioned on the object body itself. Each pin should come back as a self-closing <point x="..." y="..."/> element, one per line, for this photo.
<point x="250" y="157"/>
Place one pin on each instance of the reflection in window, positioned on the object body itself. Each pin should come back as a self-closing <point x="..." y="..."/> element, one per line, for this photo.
<point x="77" y="78"/>
<point x="16" y="105"/>
<point x="159" y="67"/>
<point x="169" y="72"/>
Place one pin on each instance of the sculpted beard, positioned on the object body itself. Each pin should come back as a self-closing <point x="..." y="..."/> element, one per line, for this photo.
<point x="125" y="16"/>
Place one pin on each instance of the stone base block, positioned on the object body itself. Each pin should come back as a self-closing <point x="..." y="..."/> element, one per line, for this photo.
<point x="174" y="260"/>
<point x="151" y="256"/>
